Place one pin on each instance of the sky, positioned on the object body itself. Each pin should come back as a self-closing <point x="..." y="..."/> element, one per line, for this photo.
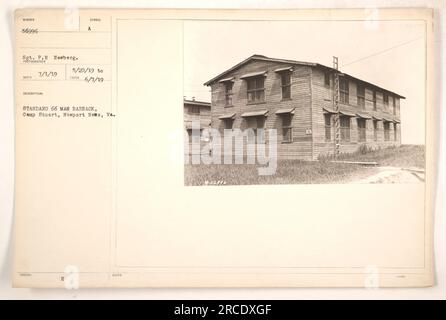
<point x="390" y="54"/>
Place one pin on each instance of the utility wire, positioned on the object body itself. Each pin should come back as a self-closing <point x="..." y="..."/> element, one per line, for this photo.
<point x="383" y="51"/>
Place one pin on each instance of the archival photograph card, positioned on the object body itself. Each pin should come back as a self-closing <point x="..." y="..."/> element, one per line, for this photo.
<point x="224" y="148"/>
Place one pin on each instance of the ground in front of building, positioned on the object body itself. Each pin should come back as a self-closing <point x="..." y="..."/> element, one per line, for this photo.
<point x="402" y="164"/>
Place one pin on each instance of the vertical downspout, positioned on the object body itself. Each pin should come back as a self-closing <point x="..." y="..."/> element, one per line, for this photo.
<point x="311" y="113"/>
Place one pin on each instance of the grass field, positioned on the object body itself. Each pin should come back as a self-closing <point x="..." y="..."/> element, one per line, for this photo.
<point x="403" y="156"/>
<point x="302" y="172"/>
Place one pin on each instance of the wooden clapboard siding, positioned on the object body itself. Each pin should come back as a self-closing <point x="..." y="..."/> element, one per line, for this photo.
<point x="323" y="97"/>
<point x="203" y="118"/>
<point x="309" y="95"/>
<point x="301" y="147"/>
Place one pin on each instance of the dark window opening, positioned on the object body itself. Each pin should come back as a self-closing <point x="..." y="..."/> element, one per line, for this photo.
<point x="286" y="85"/>
<point x="386" y="131"/>
<point x="386" y="102"/>
<point x="327" y="121"/>
<point x="257" y="124"/>
<point x="228" y="93"/>
<point x="343" y="90"/>
<point x="228" y="123"/>
<point x="287" y="129"/>
<point x="393" y="105"/>
<point x="375" y="130"/>
<point x="327" y="79"/>
<point x="361" y="130"/>
<point x="256" y="90"/>
<point x="345" y="128"/>
<point x="194" y="110"/>
<point x="194" y="135"/>
<point x="361" y="96"/>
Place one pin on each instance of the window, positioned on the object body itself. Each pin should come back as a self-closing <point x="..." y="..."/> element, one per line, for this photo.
<point x="256" y="90"/>
<point x="195" y="110"/>
<point x="360" y="93"/>
<point x="286" y="85"/>
<point x="375" y="130"/>
<point x="374" y="100"/>
<point x="287" y="129"/>
<point x="386" y="102"/>
<point x="345" y="128"/>
<point x="260" y="131"/>
<point x="228" y="123"/>
<point x="343" y="89"/>
<point x="393" y="105"/>
<point x="327" y="120"/>
<point x="257" y="124"/>
<point x="386" y="131"/>
<point x="228" y="93"/>
<point x="395" y="132"/>
<point x="361" y="130"/>
<point x="327" y="79"/>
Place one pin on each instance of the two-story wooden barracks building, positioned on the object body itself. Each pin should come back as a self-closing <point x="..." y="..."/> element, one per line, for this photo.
<point x="296" y="98"/>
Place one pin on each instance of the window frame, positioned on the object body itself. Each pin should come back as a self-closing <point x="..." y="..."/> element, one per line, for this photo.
<point x="386" y="102"/>
<point x="393" y="105"/>
<point x="344" y="91"/>
<point x="362" y="130"/>
<point x="327" y="77"/>
<point x="285" y="86"/>
<point x="228" y="121"/>
<point x="360" y="98"/>
<point x="191" y="108"/>
<point x="374" y="100"/>
<point x="262" y="128"/>
<point x="328" y="126"/>
<point x="192" y="136"/>
<point x="288" y="128"/>
<point x="257" y="127"/>
<point x="386" y="130"/>
<point x="229" y="93"/>
<point x="375" y="130"/>
<point x="345" y="130"/>
<point x="255" y="90"/>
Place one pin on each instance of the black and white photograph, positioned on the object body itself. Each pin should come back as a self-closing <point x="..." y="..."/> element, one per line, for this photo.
<point x="201" y="151"/>
<point x="299" y="102"/>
